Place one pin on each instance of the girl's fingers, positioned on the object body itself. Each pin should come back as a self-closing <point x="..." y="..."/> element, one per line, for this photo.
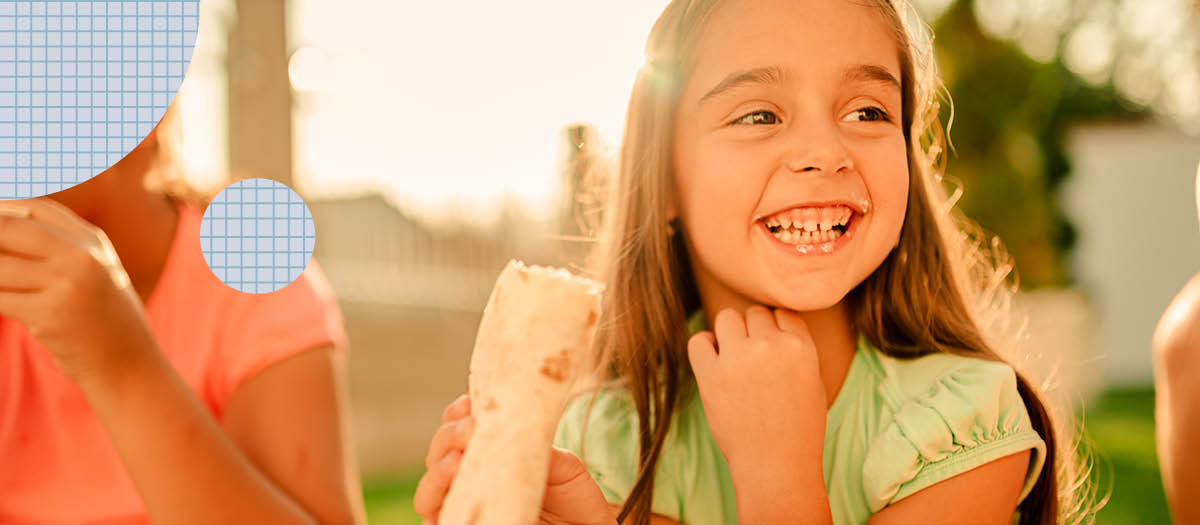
<point x="49" y="212"/>
<point x="17" y="305"/>
<point x="792" y="323"/>
<point x="730" y="327"/>
<point x="29" y="238"/>
<point x="432" y="488"/>
<point x="450" y="437"/>
<point x="20" y="274"/>
<point x="702" y="351"/>
<point x="759" y="322"/>
<point x="459" y="409"/>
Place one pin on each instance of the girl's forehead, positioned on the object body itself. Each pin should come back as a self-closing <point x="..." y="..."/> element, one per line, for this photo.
<point x="808" y="37"/>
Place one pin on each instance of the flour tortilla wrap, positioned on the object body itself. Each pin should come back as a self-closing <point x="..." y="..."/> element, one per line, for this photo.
<point x="532" y="343"/>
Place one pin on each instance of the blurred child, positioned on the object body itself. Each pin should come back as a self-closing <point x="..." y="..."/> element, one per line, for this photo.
<point x="135" y="386"/>
<point x="795" y="325"/>
<point x="1177" y="397"/>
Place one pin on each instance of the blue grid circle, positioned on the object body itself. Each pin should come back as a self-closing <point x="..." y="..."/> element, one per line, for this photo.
<point x="257" y="235"/>
<point x="82" y="83"/>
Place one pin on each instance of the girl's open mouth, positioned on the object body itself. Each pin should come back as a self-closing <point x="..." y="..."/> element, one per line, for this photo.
<point x="812" y="229"/>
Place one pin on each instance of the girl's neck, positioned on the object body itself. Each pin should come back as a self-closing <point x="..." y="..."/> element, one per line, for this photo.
<point x="140" y="222"/>
<point x="832" y="332"/>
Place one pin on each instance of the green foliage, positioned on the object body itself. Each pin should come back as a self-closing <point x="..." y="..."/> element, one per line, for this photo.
<point x="1011" y="114"/>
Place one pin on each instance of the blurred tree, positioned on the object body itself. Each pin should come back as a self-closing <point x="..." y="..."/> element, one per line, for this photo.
<point x="1011" y="113"/>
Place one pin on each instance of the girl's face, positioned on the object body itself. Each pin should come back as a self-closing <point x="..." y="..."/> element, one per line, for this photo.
<point x="790" y="160"/>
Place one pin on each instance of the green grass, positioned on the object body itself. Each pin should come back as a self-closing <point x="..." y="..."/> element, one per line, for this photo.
<point x="1120" y="424"/>
<point x="389" y="499"/>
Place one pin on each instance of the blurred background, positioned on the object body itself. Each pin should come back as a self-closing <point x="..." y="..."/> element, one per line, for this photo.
<point x="433" y="141"/>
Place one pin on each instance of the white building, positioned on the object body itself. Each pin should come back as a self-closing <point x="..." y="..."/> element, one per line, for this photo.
<point x="1132" y="197"/>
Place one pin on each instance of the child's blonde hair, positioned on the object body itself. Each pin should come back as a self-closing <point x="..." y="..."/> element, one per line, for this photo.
<point x="939" y="290"/>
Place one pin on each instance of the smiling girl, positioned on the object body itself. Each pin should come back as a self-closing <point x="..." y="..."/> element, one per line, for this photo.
<point x="795" y="325"/>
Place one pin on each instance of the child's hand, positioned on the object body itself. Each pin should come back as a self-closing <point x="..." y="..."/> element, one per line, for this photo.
<point x="761" y="387"/>
<point x="62" y="280"/>
<point x="572" y="497"/>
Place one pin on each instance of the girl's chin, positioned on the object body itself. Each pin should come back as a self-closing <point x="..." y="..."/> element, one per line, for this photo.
<point x="812" y="301"/>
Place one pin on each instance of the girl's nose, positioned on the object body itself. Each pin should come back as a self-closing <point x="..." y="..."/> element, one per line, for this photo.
<point x="818" y="149"/>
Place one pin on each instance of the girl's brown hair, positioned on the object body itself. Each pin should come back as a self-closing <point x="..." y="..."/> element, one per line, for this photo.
<point x="167" y="173"/>
<point x="940" y="290"/>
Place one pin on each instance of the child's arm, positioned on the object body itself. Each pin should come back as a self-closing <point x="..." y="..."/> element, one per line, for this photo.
<point x="292" y="421"/>
<point x="766" y="406"/>
<point x="985" y="495"/>
<point x="60" y="278"/>
<point x="1177" y="370"/>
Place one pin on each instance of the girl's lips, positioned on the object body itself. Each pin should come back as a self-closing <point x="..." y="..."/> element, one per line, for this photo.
<point x="826" y="248"/>
<point x="859" y="206"/>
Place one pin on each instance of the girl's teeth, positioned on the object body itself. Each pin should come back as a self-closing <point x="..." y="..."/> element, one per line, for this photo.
<point x="785" y="221"/>
<point x="800" y="237"/>
<point x="810" y="225"/>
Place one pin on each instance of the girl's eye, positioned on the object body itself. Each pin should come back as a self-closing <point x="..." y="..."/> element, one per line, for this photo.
<point x="757" y="118"/>
<point x="871" y="114"/>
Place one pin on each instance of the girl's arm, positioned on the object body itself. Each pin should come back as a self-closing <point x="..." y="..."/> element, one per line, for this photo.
<point x="765" y="403"/>
<point x="188" y="471"/>
<point x="985" y="495"/>
<point x="292" y="421"/>
<point x="1177" y="376"/>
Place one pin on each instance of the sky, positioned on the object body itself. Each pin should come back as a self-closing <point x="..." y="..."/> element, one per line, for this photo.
<point x="453" y="107"/>
<point x="458" y="101"/>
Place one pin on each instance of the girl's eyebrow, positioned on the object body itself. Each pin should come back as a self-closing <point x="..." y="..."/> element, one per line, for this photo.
<point x="870" y="73"/>
<point x="758" y="75"/>
<point x="775" y="75"/>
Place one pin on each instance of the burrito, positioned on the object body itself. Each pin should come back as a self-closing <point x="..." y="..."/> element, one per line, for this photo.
<point x="532" y="343"/>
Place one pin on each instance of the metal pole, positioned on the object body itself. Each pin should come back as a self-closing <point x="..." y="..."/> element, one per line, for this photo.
<point x="260" y="96"/>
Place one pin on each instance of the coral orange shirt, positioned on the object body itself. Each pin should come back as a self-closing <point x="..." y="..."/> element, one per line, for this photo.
<point x="57" y="464"/>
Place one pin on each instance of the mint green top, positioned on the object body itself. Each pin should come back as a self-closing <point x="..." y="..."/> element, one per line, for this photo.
<point x="896" y="427"/>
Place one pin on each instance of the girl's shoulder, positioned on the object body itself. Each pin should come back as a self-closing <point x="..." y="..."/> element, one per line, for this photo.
<point x="941" y="415"/>
<point x="902" y="379"/>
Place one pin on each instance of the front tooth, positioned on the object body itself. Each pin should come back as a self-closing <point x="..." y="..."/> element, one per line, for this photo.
<point x="797" y="217"/>
<point x="826" y="222"/>
<point x="810" y="225"/>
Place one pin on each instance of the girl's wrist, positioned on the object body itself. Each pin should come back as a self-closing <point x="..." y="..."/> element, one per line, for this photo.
<point x="768" y="491"/>
<point x="115" y="369"/>
<point x="774" y="498"/>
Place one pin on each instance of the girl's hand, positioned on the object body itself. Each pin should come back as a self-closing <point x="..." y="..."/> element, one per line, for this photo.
<point x="572" y="497"/>
<point x="761" y="387"/>
<point x="60" y="277"/>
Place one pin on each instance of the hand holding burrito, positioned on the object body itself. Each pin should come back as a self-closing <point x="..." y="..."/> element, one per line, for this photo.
<point x="492" y="458"/>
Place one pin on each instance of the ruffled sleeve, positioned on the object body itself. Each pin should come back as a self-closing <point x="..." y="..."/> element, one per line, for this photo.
<point x="968" y="417"/>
